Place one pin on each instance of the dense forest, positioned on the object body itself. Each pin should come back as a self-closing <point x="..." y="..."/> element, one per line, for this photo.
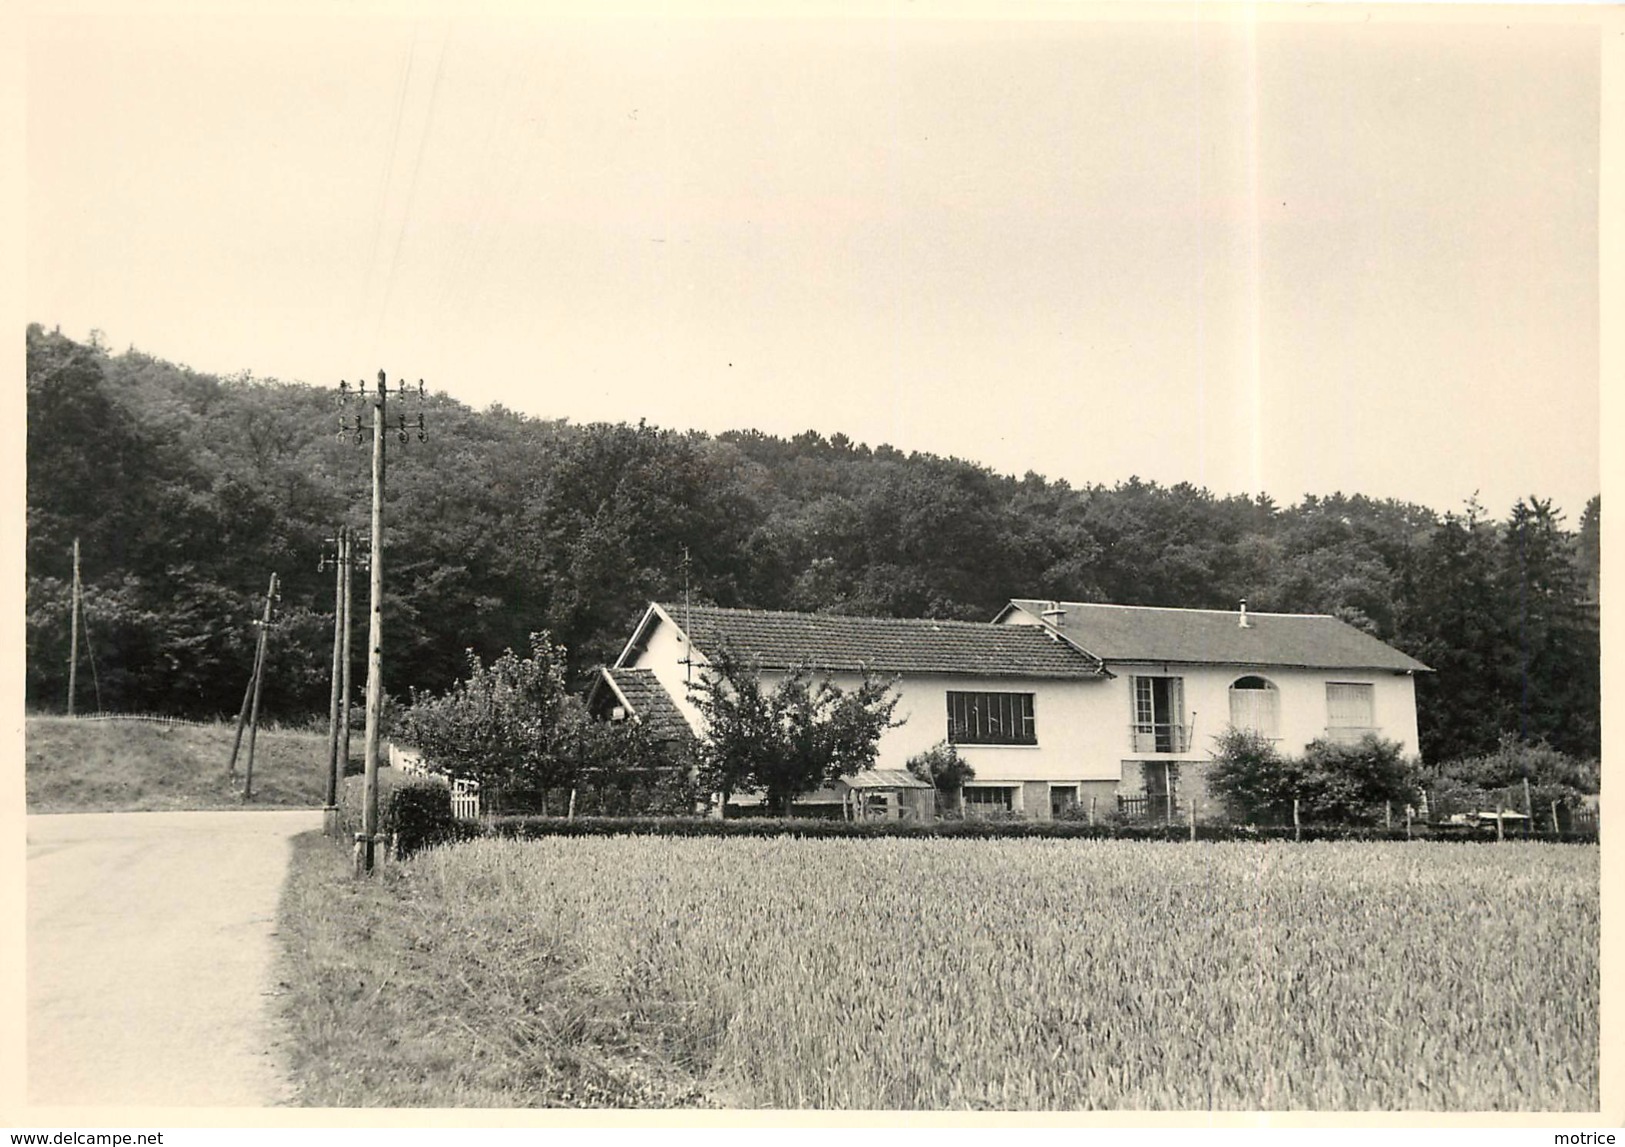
<point x="187" y="490"/>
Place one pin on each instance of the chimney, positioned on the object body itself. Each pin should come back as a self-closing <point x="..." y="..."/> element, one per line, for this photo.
<point x="1054" y="614"/>
<point x="1244" y="623"/>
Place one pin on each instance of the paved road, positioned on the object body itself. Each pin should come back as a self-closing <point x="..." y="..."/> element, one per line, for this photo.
<point x="150" y="953"/>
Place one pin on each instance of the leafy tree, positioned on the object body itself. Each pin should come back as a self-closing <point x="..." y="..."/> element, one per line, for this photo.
<point x="788" y="739"/>
<point x="945" y="769"/>
<point x="622" y="755"/>
<point x="500" y="725"/>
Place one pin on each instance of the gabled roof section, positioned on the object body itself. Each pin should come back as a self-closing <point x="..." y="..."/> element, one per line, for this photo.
<point x="829" y="642"/>
<point x="1214" y="636"/>
<point x="646" y="700"/>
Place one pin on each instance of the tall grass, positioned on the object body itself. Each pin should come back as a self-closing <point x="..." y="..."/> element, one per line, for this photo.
<point x="112" y="765"/>
<point x="900" y="974"/>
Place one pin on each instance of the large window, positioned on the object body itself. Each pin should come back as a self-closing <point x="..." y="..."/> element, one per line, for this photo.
<point x="983" y="799"/>
<point x="1159" y="715"/>
<point x="1255" y="707"/>
<point x="991" y="719"/>
<point x="1351" y="711"/>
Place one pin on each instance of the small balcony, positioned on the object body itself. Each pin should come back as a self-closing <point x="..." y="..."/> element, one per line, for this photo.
<point x="1350" y="734"/>
<point x="1160" y="737"/>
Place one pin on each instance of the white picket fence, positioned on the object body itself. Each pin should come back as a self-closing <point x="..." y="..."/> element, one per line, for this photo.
<point x="465" y="795"/>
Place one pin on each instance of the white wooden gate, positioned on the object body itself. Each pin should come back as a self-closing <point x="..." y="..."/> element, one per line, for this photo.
<point x="465" y="800"/>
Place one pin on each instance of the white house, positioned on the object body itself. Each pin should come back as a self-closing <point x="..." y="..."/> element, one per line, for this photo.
<point x="1180" y="676"/>
<point x="1054" y="705"/>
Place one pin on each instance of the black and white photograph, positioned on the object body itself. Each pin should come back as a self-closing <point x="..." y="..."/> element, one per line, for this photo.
<point x="721" y="562"/>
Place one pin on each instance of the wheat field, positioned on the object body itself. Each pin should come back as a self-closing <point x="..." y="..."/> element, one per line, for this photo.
<point x="1013" y="975"/>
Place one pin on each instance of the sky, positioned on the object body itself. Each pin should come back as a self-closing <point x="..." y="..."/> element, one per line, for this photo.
<point x="1274" y="254"/>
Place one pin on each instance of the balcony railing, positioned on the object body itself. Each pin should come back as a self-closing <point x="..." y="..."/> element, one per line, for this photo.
<point x="1158" y="737"/>
<point x="1349" y="734"/>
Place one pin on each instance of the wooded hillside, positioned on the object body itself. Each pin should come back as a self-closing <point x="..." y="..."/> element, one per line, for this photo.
<point x="187" y="490"/>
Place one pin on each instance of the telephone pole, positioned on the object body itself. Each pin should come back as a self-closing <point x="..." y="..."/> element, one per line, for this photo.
<point x="341" y="571"/>
<point x="367" y="838"/>
<point x="250" y="712"/>
<point x="73" y="630"/>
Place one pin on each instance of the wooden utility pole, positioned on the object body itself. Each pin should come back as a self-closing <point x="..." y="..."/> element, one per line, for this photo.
<point x="73" y="630"/>
<point x="330" y="813"/>
<point x="259" y="678"/>
<point x="344" y="704"/>
<point x="367" y="838"/>
<point x="250" y="693"/>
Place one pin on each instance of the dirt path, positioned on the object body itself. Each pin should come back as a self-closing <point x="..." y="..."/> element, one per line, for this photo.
<point x="149" y="956"/>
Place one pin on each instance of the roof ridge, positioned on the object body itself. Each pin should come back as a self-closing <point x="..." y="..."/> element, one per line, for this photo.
<point x="1167" y="608"/>
<point x="676" y="611"/>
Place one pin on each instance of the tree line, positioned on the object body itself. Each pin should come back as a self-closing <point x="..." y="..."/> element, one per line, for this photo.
<point x="187" y="489"/>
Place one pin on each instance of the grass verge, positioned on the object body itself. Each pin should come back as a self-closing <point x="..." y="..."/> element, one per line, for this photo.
<point x="394" y="996"/>
<point x="136" y="766"/>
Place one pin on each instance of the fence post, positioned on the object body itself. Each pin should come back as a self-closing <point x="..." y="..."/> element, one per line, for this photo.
<point x="1297" y="826"/>
<point x="1092" y="812"/>
<point x="1556" y="829"/>
<point x="571" y="814"/>
<point x="1388" y="816"/>
<point x="1407" y="822"/>
<point x="1193" y="821"/>
<point x="1498" y="833"/>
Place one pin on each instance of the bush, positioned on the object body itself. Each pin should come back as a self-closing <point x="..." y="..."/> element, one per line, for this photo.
<point x="1254" y="782"/>
<point x="533" y="827"/>
<point x="945" y="769"/>
<point x="1350" y="784"/>
<point x="413" y="812"/>
<point x="418" y="814"/>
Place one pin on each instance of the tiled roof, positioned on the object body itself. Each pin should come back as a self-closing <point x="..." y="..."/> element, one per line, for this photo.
<point x="1214" y="636"/>
<point x="884" y="645"/>
<point x="651" y="704"/>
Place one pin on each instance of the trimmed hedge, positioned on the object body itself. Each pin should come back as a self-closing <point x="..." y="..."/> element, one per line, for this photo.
<point x="532" y="827"/>
<point x="414" y="812"/>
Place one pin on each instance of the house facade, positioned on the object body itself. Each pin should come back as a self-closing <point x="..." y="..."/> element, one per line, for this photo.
<point x="1056" y="706"/>
<point x="1180" y="677"/>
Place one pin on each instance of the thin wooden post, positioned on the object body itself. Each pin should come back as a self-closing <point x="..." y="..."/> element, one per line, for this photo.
<point x="1168" y="792"/>
<point x="1407" y="822"/>
<point x="1528" y="808"/>
<point x="330" y="814"/>
<point x="1192" y="807"/>
<point x="1498" y="832"/>
<point x="1297" y="826"/>
<point x="571" y="814"/>
<point x="1091" y="810"/>
<point x="1556" y="829"/>
<point x="253" y="679"/>
<point x="259" y="679"/>
<point x="1388" y="816"/>
<point x="73" y="630"/>
<point x="344" y="686"/>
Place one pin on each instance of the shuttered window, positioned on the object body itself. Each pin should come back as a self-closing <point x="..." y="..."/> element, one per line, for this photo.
<point x="1255" y="707"/>
<point x="991" y="719"/>
<point x="1350" y="708"/>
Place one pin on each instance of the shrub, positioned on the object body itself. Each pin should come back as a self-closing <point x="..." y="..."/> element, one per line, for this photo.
<point x="1350" y="784"/>
<point x="418" y="814"/>
<point x="1254" y="781"/>
<point x="533" y="827"/>
<point x="942" y="765"/>
<point x="414" y="812"/>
